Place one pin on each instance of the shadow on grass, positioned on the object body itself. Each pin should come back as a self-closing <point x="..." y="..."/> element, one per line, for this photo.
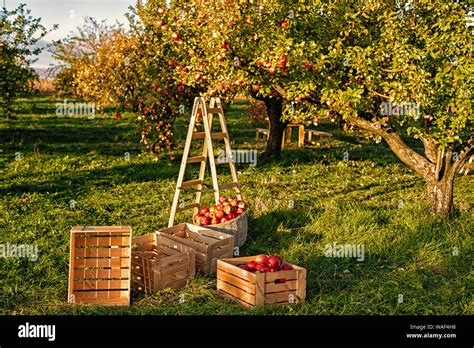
<point x="84" y="180"/>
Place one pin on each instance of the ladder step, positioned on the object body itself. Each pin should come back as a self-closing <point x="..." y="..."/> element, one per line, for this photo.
<point x="214" y="110"/>
<point x="196" y="159"/>
<point x="189" y="206"/>
<point x="191" y="183"/>
<point x="229" y="185"/>
<point x="202" y="135"/>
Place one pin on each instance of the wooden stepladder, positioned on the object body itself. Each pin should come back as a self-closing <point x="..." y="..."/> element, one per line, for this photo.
<point x="215" y="108"/>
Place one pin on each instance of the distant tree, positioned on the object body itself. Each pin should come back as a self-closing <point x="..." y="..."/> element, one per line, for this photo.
<point x="19" y="34"/>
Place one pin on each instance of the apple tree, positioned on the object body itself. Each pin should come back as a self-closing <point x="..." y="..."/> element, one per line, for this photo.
<point x="401" y="71"/>
<point x="19" y="34"/>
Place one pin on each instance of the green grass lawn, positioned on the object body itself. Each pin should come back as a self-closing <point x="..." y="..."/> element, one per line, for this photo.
<point x="371" y="199"/>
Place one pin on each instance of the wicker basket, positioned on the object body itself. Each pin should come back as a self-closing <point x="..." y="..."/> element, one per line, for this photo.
<point x="237" y="227"/>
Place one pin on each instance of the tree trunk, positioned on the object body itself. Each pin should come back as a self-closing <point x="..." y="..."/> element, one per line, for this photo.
<point x="440" y="196"/>
<point x="274" y="108"/>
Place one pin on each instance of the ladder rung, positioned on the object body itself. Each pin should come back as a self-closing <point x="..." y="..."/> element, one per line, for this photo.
<point x="191" y="183"/>
<point x="228" y="186"/>
<point x="196" y="159"/>
<point x="202" y="135"/>
<point x="214" y="110"/>
<point x="189" y="206"/>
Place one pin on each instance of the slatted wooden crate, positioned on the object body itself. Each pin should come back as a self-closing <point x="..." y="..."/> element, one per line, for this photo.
<point x="251" y="289"/>
<point x="158" y="262"/>
<point x="209" y="245"/>
<point x="99" y="265"/>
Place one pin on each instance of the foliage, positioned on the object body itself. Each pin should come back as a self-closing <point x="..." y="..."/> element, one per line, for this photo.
<point x="19" y="35"/>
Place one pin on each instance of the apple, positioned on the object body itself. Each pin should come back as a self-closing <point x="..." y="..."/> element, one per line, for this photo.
<point x="316" y="120"/>
<point x="287" y="267"/>
<point x="284" y="24"/>
<point x="249" y="21"/>
<point x="231" y="216"/>
<point x="274" y="261"/>
<point x="161" y="10"/>
<point x="213" y="209"/>
<point x="233" y="202"/>
<point x="165" y="27"/>
<point x="224" y="219"/>
<point x="233" y="209"/>
<point x="228" y="209"/>
<point x="159" y="22"/>
<point x="222" y="199"/>
<point x="239" y="211"/>
<point x="260" y="268"/>
<point x="272" y="70"/>
<point x="241" y="204"/>
<point x="358" y="80"/>
<point x="219" y="214"/>
<point x="260" y="63"/>
<point x="181" y="88"/>
<point x="427" y="117"/>
<point x="175" y="36"/>
<point x="214" y="221"/>
<point x="252" y="265"/>
<point x="261" y="259"/>
<point x="272" y="269"/>
<point x="205" y="220"/>
<point x="219" y="206"/>
<point x="307" y="65"/>
<point x="230" y="24"/>
<point x="127" y="104"/>
<point x="196" y="217"/>
<point x="118" y="115"/>
<point x="244" y="267"/>
<point x="256" y="88"/>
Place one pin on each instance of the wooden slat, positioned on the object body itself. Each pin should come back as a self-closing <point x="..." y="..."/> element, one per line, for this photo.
<point x="102" y="241"/>
<point x="100" y="295"/>
<point x="164" y="281"/>
<point x="237" y="282"/>
<point x="182" y="266"/>
<point x="189" y="206"/>
<point x="287" y="275"/>
<point x="105" y="262"/>
<point x="236" y="292"/>
<point x="235" y="299"/>
<point x="236" y="271"/>
<point x="196" y="159"/>
<point x="279" y="287"/>
<point x="223" y="252"/>
<point x="229" y="186"/>
<point x="101" y="273"/>
<point x="214" y="110"/>
<point x="216" y="135"/>
<point x="101" y="252"/>
<point x="191" y="183"/>
<point x="100" y="284"/>
<point x="279" y="297"/>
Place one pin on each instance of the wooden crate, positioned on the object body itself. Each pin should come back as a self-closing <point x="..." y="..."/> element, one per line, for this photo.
<point x="209" y="245"/>
<point x="158" y="262"/>
<point x="251" y="289"/>
<point x="99" y="265"/>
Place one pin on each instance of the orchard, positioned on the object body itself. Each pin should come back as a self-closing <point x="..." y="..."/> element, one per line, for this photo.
<point x="373" y="216"/>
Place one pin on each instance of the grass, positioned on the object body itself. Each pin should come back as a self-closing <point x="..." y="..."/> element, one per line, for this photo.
<point x="358" y="201"/>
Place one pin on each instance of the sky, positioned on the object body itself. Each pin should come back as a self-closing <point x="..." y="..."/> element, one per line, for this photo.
<point x="69" y="14"/>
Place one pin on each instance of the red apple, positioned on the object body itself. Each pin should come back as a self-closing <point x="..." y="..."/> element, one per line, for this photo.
<point x="165" y="27"/>
<point x="223" y="199"/>
<point x="233" y="210"/>
<point x="274" y="261"/>
<point x="252" y="265"/>
<point x="219" y="206"/>
<point x="256" y="88"/>
<point x="175" y="36"/>
<point x="214" y="221"/>
<point x="272" y="70"/>
<point x="261" y="259"/>
<point x="213" y="209"/>
<point x="239" y="211"/>
<point x="228" y="210"/>
<point x="231" y="216"/>
<point x="241" y="204"/>
<point x="224" y="219"/>
<point x="159" y="22"/>
<point x="287" y="267"/>
<point x="205" y="221"/>
<point x="307" y="65"/>
<point x="219" y="214"/>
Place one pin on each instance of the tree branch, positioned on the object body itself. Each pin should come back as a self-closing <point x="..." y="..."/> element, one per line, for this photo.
<point x="394" y="70"/>
<point x="280" y="90"/>
<point x="466" y="150"/>
<point x="407" y="155"/>
<point x="430" y="149"/>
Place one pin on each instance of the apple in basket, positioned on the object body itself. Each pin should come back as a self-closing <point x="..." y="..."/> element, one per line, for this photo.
<point x="227" y="209"/>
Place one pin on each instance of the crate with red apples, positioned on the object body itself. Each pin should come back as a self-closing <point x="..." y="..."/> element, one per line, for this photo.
<point x="226" y="209"/>
<point x="255" y="281"/>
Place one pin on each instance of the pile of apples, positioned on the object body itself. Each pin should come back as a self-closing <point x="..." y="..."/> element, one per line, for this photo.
<point x="264" y="263"/>
<point x="227" y="209"/>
